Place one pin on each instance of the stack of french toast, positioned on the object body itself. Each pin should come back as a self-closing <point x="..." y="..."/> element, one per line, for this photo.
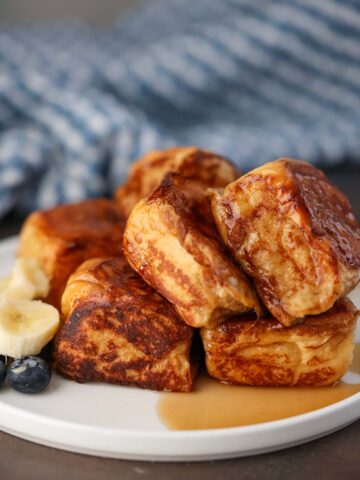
<point x="259" y="264"/>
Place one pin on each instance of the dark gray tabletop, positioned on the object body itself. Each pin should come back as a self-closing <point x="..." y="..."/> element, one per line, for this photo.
<point x="336" y="456"/>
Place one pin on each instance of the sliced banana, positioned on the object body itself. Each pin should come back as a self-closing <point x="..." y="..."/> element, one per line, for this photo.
<point x="26" y="326"/>
<point x="4" y="283"/>
<point x="26" y="281"/>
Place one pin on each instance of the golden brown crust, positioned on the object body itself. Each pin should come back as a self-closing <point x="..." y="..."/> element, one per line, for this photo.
<point x="203" y="168"/>
<point x="63" y="237"/>
<point x="328" y="212"/>
<point x="119" y="330"/>
<point x="178" y="252"/>
<point x="316" y="352"/>
<point x="294" y="233"/>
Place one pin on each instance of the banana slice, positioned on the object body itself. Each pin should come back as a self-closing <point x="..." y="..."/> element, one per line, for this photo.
<point x="26" y="326"/>
<point x="4" y="283"/>
<point x="26" y="281"/>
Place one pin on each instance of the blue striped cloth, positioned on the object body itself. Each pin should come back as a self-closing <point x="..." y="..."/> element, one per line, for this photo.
<point x="250" y="79"/>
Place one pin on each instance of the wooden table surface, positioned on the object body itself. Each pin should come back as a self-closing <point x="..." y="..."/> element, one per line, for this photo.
<point x="336" y="456"/>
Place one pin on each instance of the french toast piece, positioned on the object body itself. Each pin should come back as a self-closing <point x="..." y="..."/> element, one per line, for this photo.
<point x="63" y="237"/>
<point x="203" y="168"/>
<point x="119" y="330"/>
<point x="179" y="253"/>
<point x="294" y="233"/>
<point x="316" y="352"/>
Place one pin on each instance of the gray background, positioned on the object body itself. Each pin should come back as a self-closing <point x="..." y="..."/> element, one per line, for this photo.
<point x="94" y="11"/>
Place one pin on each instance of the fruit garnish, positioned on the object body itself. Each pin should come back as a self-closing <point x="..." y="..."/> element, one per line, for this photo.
<point x="26" y="281"/>
<point x="29" y="374"/>
<point x="2" y="372"/>
<point x="26" y="326"/>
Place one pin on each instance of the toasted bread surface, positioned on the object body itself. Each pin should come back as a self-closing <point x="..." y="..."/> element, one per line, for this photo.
<point x="316" y="352"/>
<point x="118" y="330"/>
<point x="201" y="167"/>
<point x="170" y="243"/>
<point x="294" y="233"/>
<point x="63" y="237"/>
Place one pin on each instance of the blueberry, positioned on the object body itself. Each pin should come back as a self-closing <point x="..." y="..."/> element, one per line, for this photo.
<point x="2" y="372"/>
<point x="29" y="375"/>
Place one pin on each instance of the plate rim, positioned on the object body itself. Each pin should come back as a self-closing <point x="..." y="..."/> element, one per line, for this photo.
<point x="164" y="434"/>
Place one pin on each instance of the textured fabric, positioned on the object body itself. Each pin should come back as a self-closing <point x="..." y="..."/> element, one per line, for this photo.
<point x="250" y="79"/>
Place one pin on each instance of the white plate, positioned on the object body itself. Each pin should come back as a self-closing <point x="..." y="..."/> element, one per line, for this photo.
<point x="122" y="422"/>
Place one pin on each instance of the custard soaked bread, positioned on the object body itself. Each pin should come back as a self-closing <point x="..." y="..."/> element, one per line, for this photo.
<point x="205" y="169"/>
<point x="316" y="352"/>
<point x="119" y="330"/>
<point x="63" y="237"/>
<point x="294" y="233"/>
<point x="179" y="253"/>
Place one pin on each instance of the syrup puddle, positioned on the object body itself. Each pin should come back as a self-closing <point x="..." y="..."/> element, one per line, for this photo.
<point x="217" y="405"/>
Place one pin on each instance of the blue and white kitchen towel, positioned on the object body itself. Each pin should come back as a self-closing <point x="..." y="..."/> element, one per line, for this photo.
<point x="250" y="79"/>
